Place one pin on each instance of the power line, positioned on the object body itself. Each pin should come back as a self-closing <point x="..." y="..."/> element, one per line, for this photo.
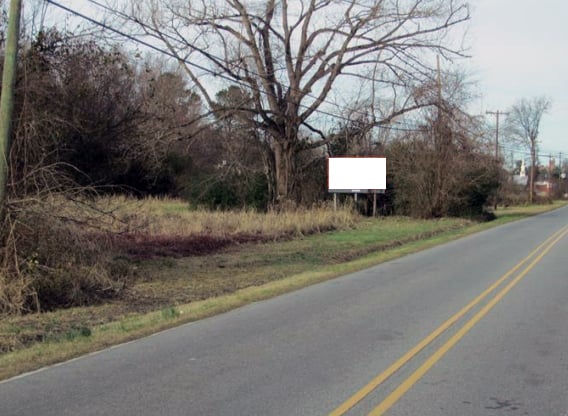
<point x="151" y="32"/>
<point x="200" y="67"/>
<point x="526" y="153"/>
<point x="221" y="75"/>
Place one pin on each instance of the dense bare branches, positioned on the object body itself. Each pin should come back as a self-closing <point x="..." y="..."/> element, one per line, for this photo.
<point x="446" y="167"/>
<point x="291" y="55"/>
<point x="85" y="121"/>
<point x="525" y="116"/>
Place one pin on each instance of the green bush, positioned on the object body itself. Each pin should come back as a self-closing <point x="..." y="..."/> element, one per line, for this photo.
<point x="215" y="192"/>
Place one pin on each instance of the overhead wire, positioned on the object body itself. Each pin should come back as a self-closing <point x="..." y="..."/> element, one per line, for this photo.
<point x="150" y="29"/>
<point x="207" y="70"/>
<point x="406" y="128"/>
<point x="201" y="67"/>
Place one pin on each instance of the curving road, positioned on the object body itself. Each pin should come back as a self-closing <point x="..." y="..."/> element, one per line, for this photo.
<point x="478" y="326"/>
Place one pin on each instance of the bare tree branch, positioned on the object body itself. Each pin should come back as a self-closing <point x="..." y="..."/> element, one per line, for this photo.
<point x="292" y="54"/>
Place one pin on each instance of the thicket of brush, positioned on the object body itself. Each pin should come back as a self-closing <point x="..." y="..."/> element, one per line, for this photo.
<point x="58" y="252"/>
<point x="51" y="260"/>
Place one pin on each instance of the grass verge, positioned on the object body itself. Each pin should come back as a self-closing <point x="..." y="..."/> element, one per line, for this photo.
<point x="169" y="292"/>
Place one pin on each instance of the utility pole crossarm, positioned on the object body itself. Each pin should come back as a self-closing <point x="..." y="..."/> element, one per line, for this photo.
<point x="497" y="114"/>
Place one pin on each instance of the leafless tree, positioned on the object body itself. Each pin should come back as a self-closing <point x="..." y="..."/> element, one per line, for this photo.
<point x="291" y="54"/>
<point x="523" y="123"/>
<point x="444" y="166"/>
<point x="443" y="169"/>
<point x="170" y="118"/>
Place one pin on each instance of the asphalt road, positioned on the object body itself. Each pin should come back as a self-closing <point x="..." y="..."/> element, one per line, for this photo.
<point x="312" y="352"/>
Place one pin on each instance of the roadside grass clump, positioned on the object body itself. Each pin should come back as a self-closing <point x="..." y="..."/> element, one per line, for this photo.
<point x="170" y="313"/>
<point x="72" y="334"/>
<point x="17" y="332"/>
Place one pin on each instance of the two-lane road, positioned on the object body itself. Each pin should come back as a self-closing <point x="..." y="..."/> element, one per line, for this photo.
<point x="478" y="326"/>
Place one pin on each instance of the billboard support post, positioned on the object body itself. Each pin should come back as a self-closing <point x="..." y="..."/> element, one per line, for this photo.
<point x="374" y="204"/>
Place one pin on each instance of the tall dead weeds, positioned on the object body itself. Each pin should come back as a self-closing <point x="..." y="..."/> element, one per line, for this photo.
<point x="50" y="260"/>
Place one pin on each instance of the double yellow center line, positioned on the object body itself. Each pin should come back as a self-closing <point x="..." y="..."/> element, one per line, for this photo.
<point x="532" y="259"/>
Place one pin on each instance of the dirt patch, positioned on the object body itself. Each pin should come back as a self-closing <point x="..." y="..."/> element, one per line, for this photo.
<point x="146" y="247"/>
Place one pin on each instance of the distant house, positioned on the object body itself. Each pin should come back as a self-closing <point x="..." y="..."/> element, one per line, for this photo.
<point x="544" y="188"/>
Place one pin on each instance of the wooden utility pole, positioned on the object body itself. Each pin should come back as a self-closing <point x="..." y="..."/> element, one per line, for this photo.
<point x="496" y="114"/>
<point x="7" y="98"/>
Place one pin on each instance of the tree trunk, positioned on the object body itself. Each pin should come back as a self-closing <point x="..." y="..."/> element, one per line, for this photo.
<point x="268" y="162"/>
<point x="284" y="171"/>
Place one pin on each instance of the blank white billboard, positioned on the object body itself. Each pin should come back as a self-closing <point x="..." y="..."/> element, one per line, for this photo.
<point x="357" y="174"/>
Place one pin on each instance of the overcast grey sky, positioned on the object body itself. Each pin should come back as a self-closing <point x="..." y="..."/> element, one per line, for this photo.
<point x="520" y="50"/>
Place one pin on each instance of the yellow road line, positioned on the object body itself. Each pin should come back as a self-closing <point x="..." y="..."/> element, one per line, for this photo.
<point x="377" y="381"/>
<point x="435" y="357"/>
